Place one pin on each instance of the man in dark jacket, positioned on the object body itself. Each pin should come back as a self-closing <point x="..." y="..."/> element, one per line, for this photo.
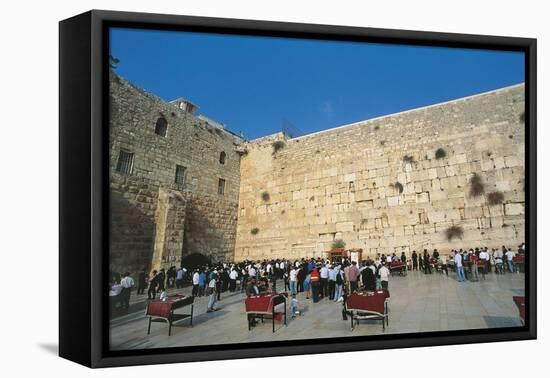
<point x="369" y="279"/>
<point x="415" y="260"/>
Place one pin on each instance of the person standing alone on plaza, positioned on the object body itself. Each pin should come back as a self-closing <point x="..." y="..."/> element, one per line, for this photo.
<point x="415" y="260"/>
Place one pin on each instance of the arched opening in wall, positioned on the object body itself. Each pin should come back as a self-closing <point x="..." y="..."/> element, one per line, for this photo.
<point x="222" y="157"/>
<point x="161" y="126"/>
<point x="195" y="260"/>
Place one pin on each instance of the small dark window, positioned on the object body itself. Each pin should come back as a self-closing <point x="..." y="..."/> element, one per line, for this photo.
<point x="125" y="162"/>
<point x="221" y="186"/>
<point x="161" y="127"/>
<point x="222" y="157"/>
<point x="180" y="175"/>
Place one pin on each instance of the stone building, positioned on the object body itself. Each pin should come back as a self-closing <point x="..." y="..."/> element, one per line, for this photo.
<point x="174" y="181"/>
<point x="183" y="184"/>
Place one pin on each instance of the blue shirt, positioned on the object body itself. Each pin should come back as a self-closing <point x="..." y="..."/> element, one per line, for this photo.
<point x="202" y="279"/>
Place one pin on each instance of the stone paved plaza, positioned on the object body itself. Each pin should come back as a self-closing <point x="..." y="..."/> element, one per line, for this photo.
<point x="418" y="303"/>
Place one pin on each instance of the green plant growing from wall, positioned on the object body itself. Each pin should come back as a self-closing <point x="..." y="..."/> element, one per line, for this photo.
<point x="495" y="198"/>
<point x="265" y="196"/>
<point x="338" y="243"/>
<point x="255" y="231"/>
<point x="477" y="188"/>
<point x="277" y="146"/>
<point x="440" y="153"/>
<point x="522" y="117"/>
<point x="454" y="232"/>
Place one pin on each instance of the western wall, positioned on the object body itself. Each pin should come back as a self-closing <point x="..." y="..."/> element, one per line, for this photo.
<point x="378" y="185"/>
<point x="375" y="184"/>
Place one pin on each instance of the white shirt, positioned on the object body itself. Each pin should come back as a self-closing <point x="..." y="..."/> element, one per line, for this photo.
<point x="458" y="260"/>
<point x="293" y="274"/>
<point x="212" y="283"/>
<point x="332" y="274"/>
<point x="127" y="282"/>
<point x="388" y="259"/>
<point x="196" y="278"/>
<point x="233" y="275"/>
<point x="384" y="273"/>
<point x="510" y="255"/>
<point x="115" y="290"/>
<point x="324" y="272"/>
<point x="252" y="272"/>
<point x="484" y="255"/>
<point x="179" y="275"/>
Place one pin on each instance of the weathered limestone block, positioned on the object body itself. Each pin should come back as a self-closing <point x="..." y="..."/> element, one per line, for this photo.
<point x="514" y="209"/>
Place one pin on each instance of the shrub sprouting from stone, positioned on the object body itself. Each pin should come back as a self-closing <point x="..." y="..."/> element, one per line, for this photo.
<point x="522" y="117"/>
<point x="338" y="243"/>
<point x="277" y="146"/>
<point x="495" y="198"/>
<point x="377" y="127"/>
<point x="255" y="231"/>
<point x="265" y="196"/>
<point x="382" y="142"/>
<point x="408" y="159"/>
<point x="476" y="186"/>
<point x="440" y="153"/>
<point x="454" y="232"/>
<point x="397" y="186"/>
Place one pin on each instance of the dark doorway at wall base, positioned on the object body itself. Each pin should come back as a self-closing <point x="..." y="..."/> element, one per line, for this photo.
<point x="194" y="260"/>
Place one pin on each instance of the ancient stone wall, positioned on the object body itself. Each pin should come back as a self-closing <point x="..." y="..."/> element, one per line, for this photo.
<point x="154" y="220"/>
<point x="378" y="185"/>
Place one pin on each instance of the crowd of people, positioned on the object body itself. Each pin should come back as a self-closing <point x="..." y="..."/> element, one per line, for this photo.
<point x="319" y="279"/>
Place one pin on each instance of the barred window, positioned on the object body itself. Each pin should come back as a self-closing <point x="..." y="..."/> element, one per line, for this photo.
<point x="221" y="186"/>
<point x="222" y="157"/>
<point x="161" y="127"/>
<point x="125" y="162"/>
<point x="180" y="175"/>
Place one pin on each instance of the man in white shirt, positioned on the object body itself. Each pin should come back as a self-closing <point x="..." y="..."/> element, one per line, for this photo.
<point x="384" y="276"/>
<point x="196" y="281"/>
<point x="127" y="284"/>
<point x="293" y="278"/>
<point x="484" y="256"/>
<point x="213" y="295"/>
<point x="510" y="259"/>
<point x="252" y="271"/>
<point x="459" y="267"/>
<point x="323" y="274"/>
<point x="233" y="275"/>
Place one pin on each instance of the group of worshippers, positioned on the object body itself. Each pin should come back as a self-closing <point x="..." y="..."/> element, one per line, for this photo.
<point x="316" y="278"/>
<point x="468" y="263"/>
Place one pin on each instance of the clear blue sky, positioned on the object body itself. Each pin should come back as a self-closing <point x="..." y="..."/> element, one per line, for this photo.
<point x="252" y="84"/>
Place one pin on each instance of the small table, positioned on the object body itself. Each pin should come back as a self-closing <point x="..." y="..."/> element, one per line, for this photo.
<point x="368" y="305"/>
<point x="264" y="305"/>
<point x="398" y="267"/>
<point x="163" y="310"/>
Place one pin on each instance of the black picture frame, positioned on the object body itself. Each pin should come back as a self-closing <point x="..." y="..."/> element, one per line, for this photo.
<point x="83" y="197"/>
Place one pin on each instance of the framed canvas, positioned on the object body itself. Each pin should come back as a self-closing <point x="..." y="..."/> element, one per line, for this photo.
<point x="235" y="188"/>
